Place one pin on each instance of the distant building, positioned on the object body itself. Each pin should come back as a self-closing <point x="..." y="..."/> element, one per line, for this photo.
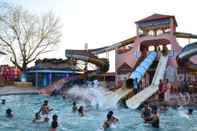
<point x="46" y="71"/>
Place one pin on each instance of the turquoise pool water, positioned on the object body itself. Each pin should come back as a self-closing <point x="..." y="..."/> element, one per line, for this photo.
<point x="25" y="107"/>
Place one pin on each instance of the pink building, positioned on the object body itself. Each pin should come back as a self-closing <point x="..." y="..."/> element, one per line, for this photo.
<point x="156" y="32"/>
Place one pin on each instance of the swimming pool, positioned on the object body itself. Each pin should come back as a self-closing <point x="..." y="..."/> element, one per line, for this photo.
<point x="25" y="106"/>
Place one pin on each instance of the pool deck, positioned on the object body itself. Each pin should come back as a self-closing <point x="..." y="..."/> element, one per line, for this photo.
<point x="13" y="90"/>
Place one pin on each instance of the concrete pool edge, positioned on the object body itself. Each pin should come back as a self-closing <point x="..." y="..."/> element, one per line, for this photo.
<point x="13" y="90"/>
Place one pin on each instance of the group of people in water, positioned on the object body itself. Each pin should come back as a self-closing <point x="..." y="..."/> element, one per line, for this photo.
<point x="173" y="94"/>
<point x="149" y="115"/>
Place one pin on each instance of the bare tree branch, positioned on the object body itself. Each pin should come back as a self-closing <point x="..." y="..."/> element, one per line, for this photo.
<point x="26" y="36"/>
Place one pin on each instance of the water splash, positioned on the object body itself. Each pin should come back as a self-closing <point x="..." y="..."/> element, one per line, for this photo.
<point x="92" y="93"/>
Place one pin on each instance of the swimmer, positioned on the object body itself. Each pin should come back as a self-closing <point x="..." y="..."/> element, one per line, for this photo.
<point x="3" y="102"/>
<point x="37" y="118"/>
<point x="54" y="123"/>
<point x="44" y="110"/>
<point x="110" y="120"/>
<point x="113" y="118"/>
<point x="81" y="111"/>
<point x="155" y="119"/>
<point x="190" y="112"/>
<point x="9" y="113"/>
<point x="146" y="113"/>
<point x="74" y="108"/>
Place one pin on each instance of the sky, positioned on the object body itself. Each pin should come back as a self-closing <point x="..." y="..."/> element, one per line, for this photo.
<point x="104" y="22"/>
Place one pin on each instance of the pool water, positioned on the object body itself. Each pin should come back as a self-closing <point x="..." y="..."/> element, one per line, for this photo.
<point x="25" y="106"/>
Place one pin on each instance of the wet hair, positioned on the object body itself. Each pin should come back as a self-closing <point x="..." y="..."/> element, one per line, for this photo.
<point x="109" y="116"/>
<point x="8" y="111"/>
<point x="110" y="113"/>
<point x="80" y="109"/>
<point x="190" y="110"/>
<point x="74" y="103"/>
<point x="45" y="101"/>
<point x="37" y="115"/>
<point x="54" y="117"/>
<point x="54" y="124"/>
<point x="3" y="101"/>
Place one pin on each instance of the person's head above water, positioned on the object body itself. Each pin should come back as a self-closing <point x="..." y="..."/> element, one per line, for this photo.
<point x="146" y="105"/>
<point x="3" y="101"/>
<point x="74" y="103"/>
<point x="46" y="102"/>
<point x="80" y="109"/>
<point x="190" y="111"/>
<point x="9" y="112"/>
<point x="110" y="113"/>
<point x="54" y="117"/>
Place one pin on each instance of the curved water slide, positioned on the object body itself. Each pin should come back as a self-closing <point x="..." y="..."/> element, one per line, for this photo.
<point x="184" y="57"/>
<point x="185" y="35"/>
<point x="138" y="73"/>
<point x="87" y="56"/>
<point x="135" y="101"/>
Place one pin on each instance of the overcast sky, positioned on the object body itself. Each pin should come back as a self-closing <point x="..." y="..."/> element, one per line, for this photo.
<point x="104" y="22"/>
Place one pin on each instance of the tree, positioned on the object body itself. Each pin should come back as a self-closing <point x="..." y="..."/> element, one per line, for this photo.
<point x="25" y="36"/>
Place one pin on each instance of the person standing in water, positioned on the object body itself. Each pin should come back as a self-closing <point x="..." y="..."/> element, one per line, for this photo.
<point x="146" y="113"/>
<point x="155" y="119"/>
<point x="3" y="101"/>
<point x="190" y="112"/>
<point x="74" y="107"/>
<point x="54" y="123"/>
<point x="44" y="110"/>
<point x="110" y="120"/>
<point x="81" y="111"/>
<point x="9" y="113"/>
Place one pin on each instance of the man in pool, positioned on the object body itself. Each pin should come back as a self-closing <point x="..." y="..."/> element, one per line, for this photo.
<point x="155" y="119"/>
<point x="146" y="113"/>
<point x="74" y="107"/>
<point x="44" y="110"/>
<point x="81" y="111"/>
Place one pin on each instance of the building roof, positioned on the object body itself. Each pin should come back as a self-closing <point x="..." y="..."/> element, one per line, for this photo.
<point x="124" y="69"/>
<point x="156" y="17"/>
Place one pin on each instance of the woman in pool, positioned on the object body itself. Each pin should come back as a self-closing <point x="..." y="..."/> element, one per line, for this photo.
<point x="110" y="120"/>
<point x="81" y="111"/>
<point x="155" y="119"/>
<point x="9" y="113"/>
<point x="54" y="123"/>
<point x="45" y="110"/>
<point x="146" y="113"/>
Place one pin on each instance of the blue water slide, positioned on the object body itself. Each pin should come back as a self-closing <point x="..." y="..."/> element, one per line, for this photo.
<point x="144" y="66"/>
